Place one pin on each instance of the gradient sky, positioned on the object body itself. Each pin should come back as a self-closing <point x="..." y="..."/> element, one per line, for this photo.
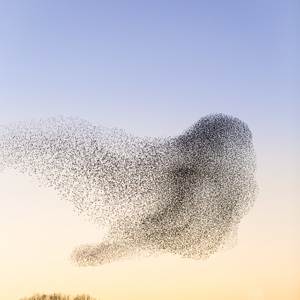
<point x="153" y="68"/>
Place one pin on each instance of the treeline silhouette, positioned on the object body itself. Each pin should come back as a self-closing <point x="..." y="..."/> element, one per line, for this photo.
<point x="59" y="296"/>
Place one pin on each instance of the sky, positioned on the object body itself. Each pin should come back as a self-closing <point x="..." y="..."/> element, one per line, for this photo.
<point x="153" y="68"/>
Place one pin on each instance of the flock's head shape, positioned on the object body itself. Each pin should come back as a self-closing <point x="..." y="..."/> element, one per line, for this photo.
<point x="183" y="195"/>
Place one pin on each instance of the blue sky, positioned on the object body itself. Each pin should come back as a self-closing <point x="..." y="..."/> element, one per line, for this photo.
<point x="132" y="60"/>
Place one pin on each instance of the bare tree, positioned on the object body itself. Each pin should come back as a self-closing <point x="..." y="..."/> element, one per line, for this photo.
<point x="57" y="296"/>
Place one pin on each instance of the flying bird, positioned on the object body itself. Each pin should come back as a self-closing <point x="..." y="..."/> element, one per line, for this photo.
<point x="183" y="195"/>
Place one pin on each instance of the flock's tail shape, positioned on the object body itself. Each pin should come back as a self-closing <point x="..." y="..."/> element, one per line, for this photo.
<point x="183" y="195"/>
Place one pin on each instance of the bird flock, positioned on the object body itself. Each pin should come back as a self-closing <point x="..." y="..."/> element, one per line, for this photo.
<point x="183" y="195"/>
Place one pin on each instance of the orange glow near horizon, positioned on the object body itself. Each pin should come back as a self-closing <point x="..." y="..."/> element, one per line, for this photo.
<point x="42" y="230"/>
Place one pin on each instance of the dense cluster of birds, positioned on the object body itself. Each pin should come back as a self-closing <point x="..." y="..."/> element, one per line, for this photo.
<point x="183" y="195"/>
